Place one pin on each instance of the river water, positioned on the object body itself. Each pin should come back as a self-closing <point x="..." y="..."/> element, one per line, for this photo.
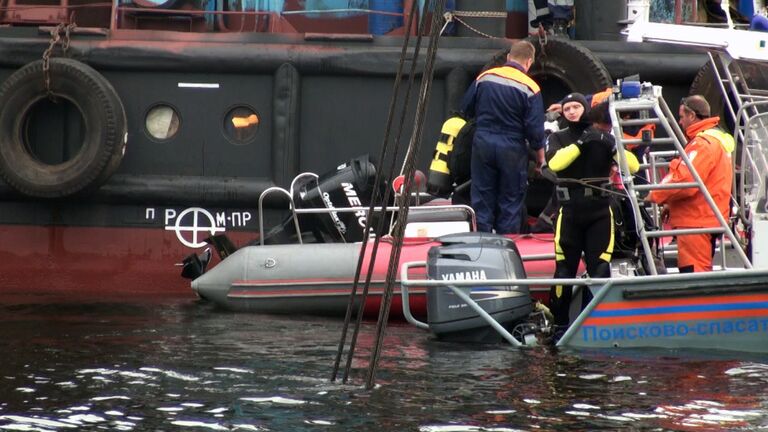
<point x="173" y="364"/>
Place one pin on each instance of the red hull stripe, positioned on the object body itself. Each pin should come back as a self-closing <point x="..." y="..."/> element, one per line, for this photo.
<point x="655" y="303"/>
<point x="305" y="281"/>
<point x="676" y="316"/>
<point x="307" y="293"/>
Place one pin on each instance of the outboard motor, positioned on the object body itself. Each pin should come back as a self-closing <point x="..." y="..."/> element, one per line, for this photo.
<point x="476" y="257"/>
<point x="351" y="184"/>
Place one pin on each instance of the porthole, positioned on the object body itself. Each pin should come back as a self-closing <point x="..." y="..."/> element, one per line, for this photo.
<point x="162" y="122"/>
<point x="241" y="124"/>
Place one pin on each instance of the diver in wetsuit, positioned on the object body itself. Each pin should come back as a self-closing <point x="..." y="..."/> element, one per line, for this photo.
<point x="574" y="107"/>
<point x="584" y="222"/>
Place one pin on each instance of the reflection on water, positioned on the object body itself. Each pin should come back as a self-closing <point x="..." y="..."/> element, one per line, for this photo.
<point x="180" y="365"/>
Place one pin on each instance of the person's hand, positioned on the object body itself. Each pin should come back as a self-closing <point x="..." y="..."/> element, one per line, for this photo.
<point x="548" y="174"/>
<point x="664" y="214"/>
<point x="539" y="168"/>
<point x="555" y="107"/>
<point x="590" y="135"/>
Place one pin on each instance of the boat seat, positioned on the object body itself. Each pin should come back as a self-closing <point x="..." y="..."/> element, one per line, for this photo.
<point x="437" y="222"/>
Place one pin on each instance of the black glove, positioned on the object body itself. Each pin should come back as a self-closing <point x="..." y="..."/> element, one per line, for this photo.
<point x="590" y="135"/>
<point x="548" y="174"/>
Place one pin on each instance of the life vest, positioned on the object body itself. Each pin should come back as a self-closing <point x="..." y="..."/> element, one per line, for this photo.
<point x="639" y="135"/>
<point x="724" y="138"/>
<point x="599" y="97"/>
<point x="440" y="179"/>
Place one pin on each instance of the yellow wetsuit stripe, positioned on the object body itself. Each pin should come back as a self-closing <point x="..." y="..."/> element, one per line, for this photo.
<point x="559" y="256"/>
<point x="564" y="158"/>
<point x="606" y="256"/>
<point x="632" y="163"/>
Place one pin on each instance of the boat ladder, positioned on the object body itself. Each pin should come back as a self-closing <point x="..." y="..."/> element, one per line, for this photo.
<point x="652" y="109"/>
<point x="738" y="57"/>
<point x="747" y="107"/>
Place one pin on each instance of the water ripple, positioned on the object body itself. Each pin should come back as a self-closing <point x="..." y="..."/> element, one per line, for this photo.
<point x="188" y="367"/>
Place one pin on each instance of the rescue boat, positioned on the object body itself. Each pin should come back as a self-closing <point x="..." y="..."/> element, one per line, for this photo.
<point x="645" y="304"/>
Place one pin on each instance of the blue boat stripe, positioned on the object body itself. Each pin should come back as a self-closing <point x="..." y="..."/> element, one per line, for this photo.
<point x="679" y="309"/>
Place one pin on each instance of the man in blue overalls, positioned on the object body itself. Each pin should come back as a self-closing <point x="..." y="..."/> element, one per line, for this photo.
<point x="508" y="110"/>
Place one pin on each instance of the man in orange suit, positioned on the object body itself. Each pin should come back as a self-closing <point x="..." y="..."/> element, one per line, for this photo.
<point x="709" y="150"/>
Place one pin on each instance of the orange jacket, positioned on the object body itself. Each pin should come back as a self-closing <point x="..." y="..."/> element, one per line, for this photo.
<point x="601" y="96"/>
<point x="639" y="135"/>
<point x="687" y="207"/>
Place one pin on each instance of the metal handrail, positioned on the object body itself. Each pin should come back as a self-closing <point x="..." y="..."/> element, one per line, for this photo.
<point x="602" y="286"/>
<point x="463" y="296"/>
<point x="587" y="281"/>
<point x="467" y="209"/>
<point x="304" y="174"/>
<point x="261" y="212"/>
<point x="318" y="210"/>
<point x="756" y="163"/>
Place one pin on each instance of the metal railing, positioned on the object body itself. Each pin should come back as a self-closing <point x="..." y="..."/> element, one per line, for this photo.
<point x="467" y="210"/>
<point x="599" y="286"/>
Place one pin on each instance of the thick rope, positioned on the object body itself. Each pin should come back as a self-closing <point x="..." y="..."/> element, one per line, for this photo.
<point x="402" y="216"/>
<point x="390" y="174"/>
<point x="379" y="179"/>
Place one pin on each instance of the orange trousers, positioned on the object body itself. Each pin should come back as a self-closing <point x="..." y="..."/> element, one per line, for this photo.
<point x="695" y="252"/>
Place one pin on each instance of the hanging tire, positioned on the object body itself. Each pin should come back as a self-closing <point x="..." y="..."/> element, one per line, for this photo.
<point x="705" y="84"/>
<point x="103" y="136"/>
<point x="563" y="66"/>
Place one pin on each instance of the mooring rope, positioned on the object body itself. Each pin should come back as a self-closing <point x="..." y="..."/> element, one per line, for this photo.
<point x="384" y="156"/>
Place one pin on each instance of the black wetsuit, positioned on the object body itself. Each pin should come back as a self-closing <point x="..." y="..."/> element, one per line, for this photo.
<point x="584" y="222"/>
<point x="556" y="141"/>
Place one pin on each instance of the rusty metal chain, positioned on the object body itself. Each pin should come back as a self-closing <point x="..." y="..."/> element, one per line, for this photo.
<point x="542" y="34"/>
<point x="67" y="40"/>
<point x="56" y="39"/>
<point x="455" y="16"/>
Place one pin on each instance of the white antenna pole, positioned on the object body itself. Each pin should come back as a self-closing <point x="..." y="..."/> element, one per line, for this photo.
<point x="726" y="6"/>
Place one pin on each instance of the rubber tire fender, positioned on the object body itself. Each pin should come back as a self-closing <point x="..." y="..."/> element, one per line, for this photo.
<point x="562" y="66"/>
<point x="105" y="129"/>
<point x="705" y="84"/>
<point x="568" y="63"/>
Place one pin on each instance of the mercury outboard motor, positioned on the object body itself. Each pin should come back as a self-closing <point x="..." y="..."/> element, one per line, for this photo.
<point x="351" y="184"/>
<point x="476" y="257"/>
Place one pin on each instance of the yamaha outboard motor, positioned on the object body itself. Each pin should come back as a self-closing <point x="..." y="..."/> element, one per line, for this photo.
<point x="351" y="184"/>
<point x="476" y="257"/>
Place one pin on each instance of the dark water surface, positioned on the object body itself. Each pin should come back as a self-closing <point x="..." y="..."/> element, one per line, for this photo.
<point x="180" y="365"/>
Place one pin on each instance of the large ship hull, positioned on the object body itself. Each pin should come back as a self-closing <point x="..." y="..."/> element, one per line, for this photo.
<point x="319" y="101"/>
<point x="92" y="263"/>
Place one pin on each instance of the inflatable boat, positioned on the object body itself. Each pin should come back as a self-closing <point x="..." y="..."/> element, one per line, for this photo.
<point x="316" y="279"/>
<point x="306" y="264"/>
